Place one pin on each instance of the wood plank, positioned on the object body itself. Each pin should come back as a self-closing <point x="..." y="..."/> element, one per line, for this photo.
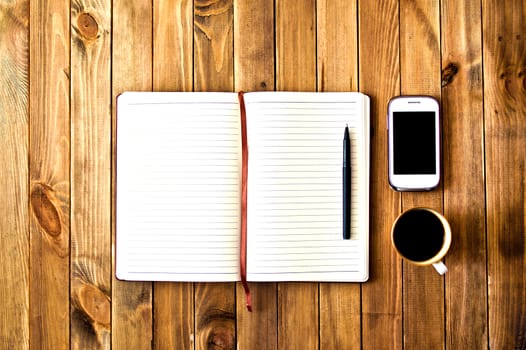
<point x="257" y="329"/>
<point x="213" y="45"/>
<point x="173" y="315"/>
<point x="49" y="165"/>
<point x="131" y="70"/>
<point x="463" y="156"/>
<point x="295" y="45"/>
<point x="254" y="45"/>
<point x="298" y="320"/>
<point x="340" y="316"/>
<point x="379" y="77"/>
<point x="337" y="60"/>
<point x="254" y="70"/>
<point x="504" y="57"/>
<point x="337" y="45"/>
<point x="420" y="50"/>
<point x="173" y="45"/>
<point x="173" y="71"/>
<point x="215" y="316"/>
<point x="90" y="174"/>
<point x="215" y="303"/>
<point x="423" y="287"/>
<point x="14" y="178"/>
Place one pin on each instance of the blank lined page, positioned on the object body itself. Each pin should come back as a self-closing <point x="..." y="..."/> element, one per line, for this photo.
<point x="295" y="186"/>
<point x="178" y="159"/>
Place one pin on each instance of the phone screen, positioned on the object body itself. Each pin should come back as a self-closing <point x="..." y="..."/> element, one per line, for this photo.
<point x="414" y="143"/>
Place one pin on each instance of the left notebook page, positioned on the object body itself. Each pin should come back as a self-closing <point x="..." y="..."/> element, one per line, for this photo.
<point x="178" y="186"/>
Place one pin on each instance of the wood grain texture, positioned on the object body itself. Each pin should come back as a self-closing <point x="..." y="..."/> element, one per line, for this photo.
<point x="257" y="329"/>
<point x="173" y="45"/>
<point x="213" y="45"/>
<point x="337" y="45"/>
<point x="340" y="316"/>
<point x="215" y="316"/>
<point x="423" y="297"/>
<point x="463" y="119"/>
<point x="254" y="67"/>
<point x="173" y="316"/>
<point x="63" y="62"/>
<point x="504" y="61"/>
<point x="254" y="45"/>
<point x="173" y="71"/>
<point x="14" y="228"/>
<point x="379" y="77"/>
<point x="337" y="62"/>
<point x="131" y="70"/>
<point x="215" y="303"/>
<point x="90" y="174"/>
<point x="420" y="48"/>
<point x="49" y="163"/>
<point x="298" y="314"/>
<point x="295" y="45"/>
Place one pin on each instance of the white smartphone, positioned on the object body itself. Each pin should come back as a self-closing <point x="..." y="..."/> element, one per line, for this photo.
<point x="413" y="127"/>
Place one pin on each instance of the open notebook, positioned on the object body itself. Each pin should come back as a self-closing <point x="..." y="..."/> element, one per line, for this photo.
<point x="178" y="186"/>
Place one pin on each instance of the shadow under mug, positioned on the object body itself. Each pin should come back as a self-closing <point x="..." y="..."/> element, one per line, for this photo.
<point x="422" y="236"/>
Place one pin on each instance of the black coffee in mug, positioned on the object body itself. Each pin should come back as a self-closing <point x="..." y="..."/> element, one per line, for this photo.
<point x="418" y="235"/>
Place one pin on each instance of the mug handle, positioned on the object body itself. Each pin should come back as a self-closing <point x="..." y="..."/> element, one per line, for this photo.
<point x="440" y="267"/>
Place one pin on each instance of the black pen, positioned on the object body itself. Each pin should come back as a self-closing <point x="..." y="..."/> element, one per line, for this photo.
<point x="346" y="182"/>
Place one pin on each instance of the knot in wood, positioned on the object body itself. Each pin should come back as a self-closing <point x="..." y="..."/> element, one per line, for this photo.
<point x="449" y="73"/>
<point x="45" y="211"/>
<point x="87" y="26"/>
<point x="218" y="331"/>
<point x="95" y="304"/>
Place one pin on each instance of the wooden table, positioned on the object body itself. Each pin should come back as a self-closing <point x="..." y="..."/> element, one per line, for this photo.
<point x="62" y="64"/>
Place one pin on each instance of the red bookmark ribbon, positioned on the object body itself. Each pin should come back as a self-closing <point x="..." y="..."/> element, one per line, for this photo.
<point x="244" y="177"/>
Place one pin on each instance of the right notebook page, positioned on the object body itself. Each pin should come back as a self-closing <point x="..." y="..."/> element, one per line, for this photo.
<point x="294" y="208"/>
